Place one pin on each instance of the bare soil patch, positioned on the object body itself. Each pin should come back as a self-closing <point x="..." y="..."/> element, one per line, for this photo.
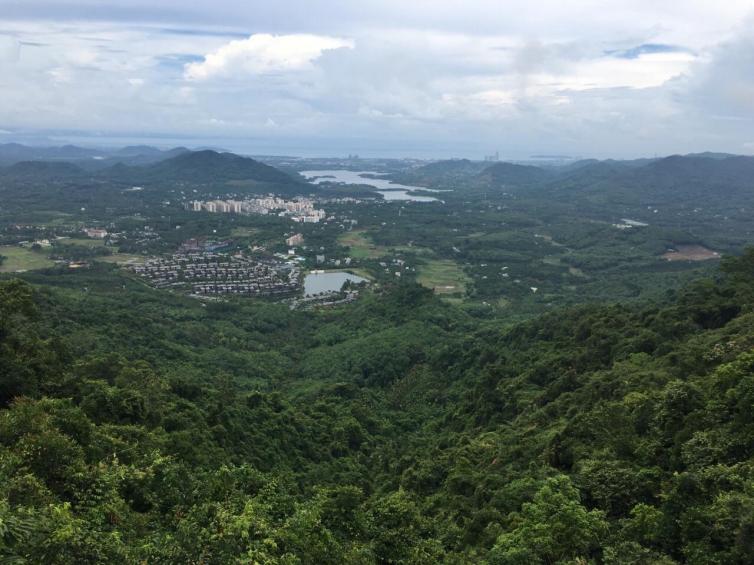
<point x="690" y="253"/>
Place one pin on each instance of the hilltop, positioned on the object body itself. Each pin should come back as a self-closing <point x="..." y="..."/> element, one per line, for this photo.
<point x="210" y="166"/>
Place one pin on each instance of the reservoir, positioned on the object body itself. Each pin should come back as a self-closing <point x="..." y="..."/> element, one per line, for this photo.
<point x="389" y="190"/>
<point x="330" y="281"/>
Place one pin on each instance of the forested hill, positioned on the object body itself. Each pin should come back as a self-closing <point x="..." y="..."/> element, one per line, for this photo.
<point x="70" y="186"/>
<point x="41" y="171"/>
<point x="138" y="426"/>
<point x="180" y="165"/>
<point x="209" y="166"/>
<point x="504" y="174"/>
<point x="665" y="181"/>
<point x="11" y="153"/>
<point x="700" y="180"/>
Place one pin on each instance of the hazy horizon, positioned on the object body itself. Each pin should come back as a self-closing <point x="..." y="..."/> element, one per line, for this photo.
<point x="233" y="146"/>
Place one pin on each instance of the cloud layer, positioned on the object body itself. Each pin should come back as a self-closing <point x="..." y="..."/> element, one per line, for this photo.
<point x="264" y="53"/>
<point x="590" y="78"/>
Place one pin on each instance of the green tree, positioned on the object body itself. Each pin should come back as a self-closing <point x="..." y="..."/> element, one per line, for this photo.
<point x="553" y="528"/>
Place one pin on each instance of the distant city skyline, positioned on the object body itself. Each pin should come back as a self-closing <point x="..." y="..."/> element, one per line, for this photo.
<point x="438" y="79"/>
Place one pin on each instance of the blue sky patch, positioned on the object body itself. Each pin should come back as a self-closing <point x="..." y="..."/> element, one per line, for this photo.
<point x="646" y="49"/>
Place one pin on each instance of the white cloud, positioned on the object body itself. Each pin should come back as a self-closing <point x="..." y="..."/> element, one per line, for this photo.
<point x="636" y="77"/>
<point x="264" y="53"/>
<point x="643" y="72"/>
<point x="10" y="49"/>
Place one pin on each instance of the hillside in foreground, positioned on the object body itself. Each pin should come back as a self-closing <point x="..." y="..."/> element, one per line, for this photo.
<point x="140" y="426"/>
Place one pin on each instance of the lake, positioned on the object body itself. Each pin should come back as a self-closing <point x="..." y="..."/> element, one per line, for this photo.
<point x="330" y="281"/>
<point x="389" y="190"/>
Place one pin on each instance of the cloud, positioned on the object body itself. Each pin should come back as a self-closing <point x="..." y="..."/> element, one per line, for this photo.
<point x="263" y="53"/>
<point x="722" y="83"/>
<point x="10" y="49"/>
<point x="640" y="77"/>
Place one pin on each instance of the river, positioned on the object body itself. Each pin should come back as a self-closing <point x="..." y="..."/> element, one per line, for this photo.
<point x="389" y="190"/>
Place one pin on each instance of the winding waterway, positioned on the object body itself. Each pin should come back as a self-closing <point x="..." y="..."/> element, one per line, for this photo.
<point x="389" y="190"/>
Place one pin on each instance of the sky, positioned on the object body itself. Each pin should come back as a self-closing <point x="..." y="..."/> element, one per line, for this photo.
<point x="428" y="79"/>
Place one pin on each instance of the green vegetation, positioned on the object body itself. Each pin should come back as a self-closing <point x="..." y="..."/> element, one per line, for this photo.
<point x="360" y="246"/>
<point x="23" y="259"/>
<point x="142" y="426"/>
<point x="83" y="242"/>
<point x="243" y="232"/>
<point x="445" y="277"/>
<point x="604" y="418"/>
<point x="122" y="258"/>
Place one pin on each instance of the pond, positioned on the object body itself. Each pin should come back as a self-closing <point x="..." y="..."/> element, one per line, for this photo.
<point x="330" y="281"/>
<point x="389" y="190"/>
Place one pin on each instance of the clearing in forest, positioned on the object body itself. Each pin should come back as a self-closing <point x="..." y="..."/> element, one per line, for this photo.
<point x="361" y="245"/>
<point x="83" y="242"/>
<point x="122" y="259"/>
<point x="22" y="259"/>
<point x="690" y="253"/>
<point x="444" y="276"/>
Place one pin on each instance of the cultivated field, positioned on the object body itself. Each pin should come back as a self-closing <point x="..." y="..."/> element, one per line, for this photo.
<point x="445" y="277"/>
<point x="83" y="242"/>
<point x="361" y="246"/>
<point x="22" y="259"/>
<point x="122" y="259"/>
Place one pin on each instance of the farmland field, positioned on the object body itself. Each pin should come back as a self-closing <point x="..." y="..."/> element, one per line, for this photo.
<point x="122" y="259"/>
<point x="445" y="277"/>
<point x="361" y="246"/>
<point x="83" y="242"/>
<point x="22" y="259"/>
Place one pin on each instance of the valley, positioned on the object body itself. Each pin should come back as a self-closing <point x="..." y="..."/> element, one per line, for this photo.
<point x="431" y="379"/>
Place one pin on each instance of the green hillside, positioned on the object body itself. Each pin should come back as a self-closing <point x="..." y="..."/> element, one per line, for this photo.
<point x="139" y="426"/>
<point x="211" y="166"/>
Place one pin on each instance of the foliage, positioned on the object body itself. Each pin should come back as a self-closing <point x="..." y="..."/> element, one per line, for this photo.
<point x="140" y="426"/>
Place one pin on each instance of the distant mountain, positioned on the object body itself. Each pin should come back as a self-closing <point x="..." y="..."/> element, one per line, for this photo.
<point x="133" y="150"/>
<point x="210" y="166"/>
<point x="712" y="155"/>
<point x="711" y="169"/>
<point x="136" y="155"/>
<point x="210" y="169"/>
<point x="697" y="181"/>
<point x="501" y="174"/>
<point x="592" y="169"/>
<point x="89" y="159"/>
<point x="15" y="152"/>
<point x="41" y="170"/>
<point x="175" y="151"/>
<point x="193" y="167"/>
<point x="451" y="168"/>
<point x="147" y="153"/>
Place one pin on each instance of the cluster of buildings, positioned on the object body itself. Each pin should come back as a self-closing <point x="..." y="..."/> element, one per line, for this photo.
<point x="44" y="242"/>
<point x="194" y="246"/>
<point x="95" y="233"/>
<point x="299" y="210"/>
<point x="205" y="273"/>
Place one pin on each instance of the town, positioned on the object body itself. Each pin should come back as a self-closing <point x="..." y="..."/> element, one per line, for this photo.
<point x="299" y="210"/>
<point x="208" y="272"/>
